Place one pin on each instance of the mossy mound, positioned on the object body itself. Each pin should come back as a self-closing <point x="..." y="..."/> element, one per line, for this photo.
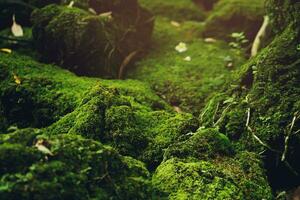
<point x="238" y="178"/>
<point x="229" y="16"/>
<point x="178" y="10"/>
<point x="124" y="114"/>
<point x="185" y="84"/>
<point x="89" y="44"/>
<point x="260" y="111"/>
<point x="78" y="168"/>
<point x="204" y="145"/>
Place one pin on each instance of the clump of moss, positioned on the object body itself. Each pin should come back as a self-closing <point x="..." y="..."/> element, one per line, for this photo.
<point x="30" y="97"/>
<point x="89" y="44"/>
<point x="178" y="10"/>
<point x="237" y="178"/>
<point x="204" y="145"/>
<point x="78" y="169"/>
<point x="229" y="16"/>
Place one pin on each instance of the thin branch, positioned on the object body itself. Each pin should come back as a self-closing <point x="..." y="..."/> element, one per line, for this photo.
<point x="286" y="139"/>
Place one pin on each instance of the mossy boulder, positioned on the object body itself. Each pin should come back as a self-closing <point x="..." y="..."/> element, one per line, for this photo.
<point x="89" y="44"/>
<point x="21" y="9"/>
<point x="178" y="10"/>
<point x="238" y="178"/>
<point x="260" y="110"/>
<point x="204" y="145"/>
<point x="229" y="16"/>
<point x="124" y="114"/>
<point x="79" y="168"/>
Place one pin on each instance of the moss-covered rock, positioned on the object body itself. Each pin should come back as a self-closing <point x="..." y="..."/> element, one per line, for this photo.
<point x="178" y="10"/>
<point x="260" y="110"/>
<point x="204" y="145"/>
<point x="89" y="44"/>
<point x="239" y="178"/>
<point x="229" y="16"/>
<point x="78" y="169"/>
<point x="124" y="114"/>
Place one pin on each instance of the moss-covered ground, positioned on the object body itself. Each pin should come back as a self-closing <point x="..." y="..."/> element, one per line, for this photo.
<point x="183" y="83"/>
<point x="205" y="123"/>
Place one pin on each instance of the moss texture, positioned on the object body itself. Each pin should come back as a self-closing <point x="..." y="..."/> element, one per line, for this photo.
<point x="230" y="16"/>
<point x="178" y="10"/>
<point x="89" y="44"/>
<point x="264" y="93"/>
<point x="182" y="83"/>
<point x="238" y="178"/>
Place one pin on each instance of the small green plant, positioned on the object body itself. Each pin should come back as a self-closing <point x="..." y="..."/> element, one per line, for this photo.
<point x="238" y="40"/>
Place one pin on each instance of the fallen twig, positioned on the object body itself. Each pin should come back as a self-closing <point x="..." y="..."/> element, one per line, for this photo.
<point x="287" y="137"/>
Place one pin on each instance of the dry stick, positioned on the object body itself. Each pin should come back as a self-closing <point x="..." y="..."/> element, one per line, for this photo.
<point x="125" y="62"/>
<point x="222" y="115"/>
<point x="215" y="113"/>
<point x="253" y="134"/>
<point x="286" y="140"/>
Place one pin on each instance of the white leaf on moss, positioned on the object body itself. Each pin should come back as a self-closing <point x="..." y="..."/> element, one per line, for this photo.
<point x="188" y="58"/>
<point x="181" y="47"/>
<point x="16" y="29"/>
<point x="71" y="4"/>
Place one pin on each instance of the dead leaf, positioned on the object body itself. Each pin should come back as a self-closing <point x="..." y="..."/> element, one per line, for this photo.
<point x="177" y="109"/>
<point x="176" y="24"/>
<point x="210" y="40"/>
<point x="125" y="62"/>
<point x="6" y="50"/>
<point x="41" y="146"/>
<point x="16" y="29"/>
<point x="71" y="4"/>
<point x="91" y="10"/>
<point x="107" y="15"/>
<point x="17" y="79"/>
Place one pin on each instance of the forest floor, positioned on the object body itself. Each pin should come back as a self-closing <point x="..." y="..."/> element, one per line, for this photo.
<point x="175" y="127"/>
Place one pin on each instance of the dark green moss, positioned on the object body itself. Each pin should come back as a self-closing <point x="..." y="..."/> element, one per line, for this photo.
<point x="78" y="169"/>
<point x="264" y="93"/>
<point x="89" y="44"/>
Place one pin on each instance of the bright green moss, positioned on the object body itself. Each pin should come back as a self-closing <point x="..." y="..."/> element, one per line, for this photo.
<point x="204" y="145"/>
<point x="182" y="83"/>
<point x="223" y="179"/>
<point x="230" y="16"/>
<point x="178" y="10"/>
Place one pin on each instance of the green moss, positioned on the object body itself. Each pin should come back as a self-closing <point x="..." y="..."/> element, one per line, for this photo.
<point x="89" y="44"/>
<point x="230" y="16"/>
<point x="78" y="169"/>
<point x="204" y="145"/>
<point x="178" y="10"/>
<point x="264" y="93"/>
<point x="182" y="83"/>
<point x="223" y="179"/>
